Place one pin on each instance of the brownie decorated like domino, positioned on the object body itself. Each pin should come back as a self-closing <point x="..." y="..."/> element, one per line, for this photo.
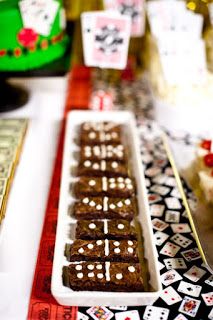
<point x="89" y="208"/>
<point x="102" y="250"/>
<point x="107" y="276"/>
<point x="103" y="152"/>
<point x="93" y="133"/>
<point x="102" y="168"/>
<point x="103" y="186"/>
<point x="105" y="229"/>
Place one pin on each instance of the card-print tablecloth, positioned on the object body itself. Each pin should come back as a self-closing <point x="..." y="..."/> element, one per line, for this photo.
<point x="187" y="284"/>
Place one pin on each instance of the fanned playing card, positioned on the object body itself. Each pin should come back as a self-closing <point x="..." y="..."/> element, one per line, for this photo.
<point x="105" y="39"/>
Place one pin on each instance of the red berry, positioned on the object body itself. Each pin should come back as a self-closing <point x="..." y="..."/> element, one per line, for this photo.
<point x="206" y="144"/>
<point x="208" y="159"/>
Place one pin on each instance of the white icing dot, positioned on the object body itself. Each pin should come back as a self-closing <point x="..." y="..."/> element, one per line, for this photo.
<point x="99" y="242"/>
<point x="109" y="154"/>
<point x="92" y="183"/>
<point x="90" y="246"/>
<point x="120" y="147"/>
<point x="117" y="250"/>
<point x="87" y="163"/>
<point x="95" y="166"/>
<point x="121" y="185"/>
<point x="114" y="164"/>
<point x="100" y="275"/>
<point x="110" y="147"/>
<point x="127" y="202"/>
<point x="112" y="185"/>
<point x="91" y="274"/>
<point x="112" y="180"/>
<point x="108" y="136"/>
<point x="92" y="203"/>
<point x="92" y="226"/>
<point x="130" y="243"/>
<point x="85" y="200"/>
<point x="129" y="186"/>
<point x="127" y="180"/>
<point x="120" y="226"/>
<point x="119" y="276"/>
<point x="78" y="267"/>
<point x="116" y="243"/>
<point x="92" y="135"/>
<point x="131" y="269"/>
<point x="112" y="206"/>
<point x="98" y="207"/>
<point x="99" y="266"/>
<point x="90" y="267"/>
<point x="120" y="179"/>
<point x="130" y="250"/>
<point x="120" y="154"/>
<point x="120" y="204"/>
<point x="80" y="275"/>
<point x="81" y="250"/>
<point x="114" y="135"/>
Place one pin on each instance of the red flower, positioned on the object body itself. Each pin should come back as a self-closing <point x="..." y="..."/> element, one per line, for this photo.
<point x="17" y="52"/>
<point x="208" y="159"/>
<point x="206" y="144"/>
<point x="3" y="53"/>
<point x="27" y="37"/>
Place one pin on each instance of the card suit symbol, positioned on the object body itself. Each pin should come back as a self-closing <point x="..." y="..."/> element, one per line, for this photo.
<point x="27" y="37"/>
<point x="189" y="289"/>
<point x="127" y="318"/>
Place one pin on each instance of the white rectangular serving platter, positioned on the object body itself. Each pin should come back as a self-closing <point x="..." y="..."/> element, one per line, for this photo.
<point x="66" y="223"/>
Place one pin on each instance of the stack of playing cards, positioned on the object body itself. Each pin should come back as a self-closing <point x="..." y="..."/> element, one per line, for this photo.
<point x="178" y="33"/>
<point x="105" y="39"/>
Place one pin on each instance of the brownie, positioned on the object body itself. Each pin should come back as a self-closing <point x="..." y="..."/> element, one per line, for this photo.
<point x="103" y="152"/>
<point x="102" y="168"/>
<point x="101" y="132"/>
<point x="102" y="250"/>
<point x="110" y="187"/>
<point x="105" y="229"/>
<point x="99" y="276"/>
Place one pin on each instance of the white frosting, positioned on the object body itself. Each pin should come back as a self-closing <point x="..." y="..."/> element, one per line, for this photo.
<point x="102" y="136"/>
<point x="103" y="151"/>
<point x="120" y="226"/>
<point x="114" y="164"/>
<point x="96" y="166"/>
<point x="131" y="269"/>
<point x="127" y="202"/>
<point x="105" y="203"/>
<point x="103" y="165"/>
<point x="105" y="227"/>
<point x="91" y="274"/>
<point x="100" y="275"/>
<point x="108" y="136"/>
<point x="90" y="246"/>
<point x="130" y="250"/>
<point x="130" y="243"/>
<point x="112" y="206"/>
<point x="120" y="204"/>
<point x="78" y="267"/>
<point x="87" y="163"/>
<point x="120" y="154"/>
<point x="81" y="250"/>
<point x="111" y="180"/>
<point x="127" y="180"/>
<point x="85" y="200"/>
<point x="121" y="185"/>
<point x="104" y="184"/>
<point x="92" y="135"/>
<point x="80" y="275"/>
<point x="120" y="179"/>
<point x="99" y="266"/>
<point x="109" y="154"/>
<point x="117" y="250"/>
<point x="90" y="266"/>
<point x="116" y="243"/>
<point x="92" y="183"/>
<point x="112" y="185"/>
<point x="92" y="203"/>
<point x="92" y="225"/>
<point x="106" y="250"/>
<point x="107" y="274"/>
<point x="98" y="207"/>
<point x="119" y="276"/>
<point x="99" y="242"/>
<point x="114" y="135"/>
<point x="129" y="186"/>
<point x="120" y="147"/>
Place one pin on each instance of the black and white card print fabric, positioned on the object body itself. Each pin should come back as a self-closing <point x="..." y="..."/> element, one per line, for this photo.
<point x="187" y="284"/>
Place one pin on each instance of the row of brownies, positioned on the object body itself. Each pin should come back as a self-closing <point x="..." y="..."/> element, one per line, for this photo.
<point x="104" y="255"/>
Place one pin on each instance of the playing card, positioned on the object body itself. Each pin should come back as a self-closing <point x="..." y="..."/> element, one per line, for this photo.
<point x="180" y="317"/>
<point x="175" y="263"/>
<point x="209" y="281"/>
<point x="172" y="216"/>
<point x="170" y="296"/>
<point x="194" y="273"/>
<point x="176" y="193"/>
<point x="180" y="228"/>
<point x="152" y="197"/>
<point x="191" y="254"/>
<point x="170" y="276"/>
<point x="154" y="313"/>
<point x="170" y="249"/>
<point x="159" y="224"/>
<point x="122" y="308"/>
<point x="133" y="315"/>
<point x="189" y="289"/>
<point x="153" y="171"/>
<point x="81" y="316"/>
<point x="157" y="210"/>
<point x="173" y="203"/>
<point x="162" y="190"/>
<point x="208" y="298"/>
<point x="160" y="237"/>
<point x="181" y="240"/>
<point x="160" y="265"/>
<point x="39" y="15"/>
<point x="105" y="39"/>
<point x="100" y="313"/>
<point x="189" y="306"/>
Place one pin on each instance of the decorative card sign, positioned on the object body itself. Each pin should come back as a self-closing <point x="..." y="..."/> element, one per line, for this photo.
<point x="105" y="39"/>
<point x="211" y="12"/>
<point x="38" y="15"/>
<point x="135" y="9"/>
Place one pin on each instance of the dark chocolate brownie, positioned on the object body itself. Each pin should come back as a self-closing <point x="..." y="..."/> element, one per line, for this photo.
<point x="110" y="187"/>
<point x="105" y="229"/>
<point x="108" y="276"/>
<point x="94" y="168"/>
<point x="103" y="152"/>
<point x="88" y="208"/>
<point x="102" y="250"/>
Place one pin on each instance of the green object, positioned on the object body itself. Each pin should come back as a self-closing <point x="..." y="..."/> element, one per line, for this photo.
<point x="23" y="49"/>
